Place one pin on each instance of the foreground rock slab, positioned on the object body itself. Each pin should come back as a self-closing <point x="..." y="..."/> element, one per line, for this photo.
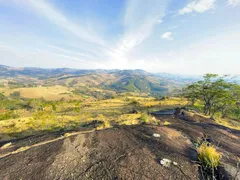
<point x="128" y="152"/>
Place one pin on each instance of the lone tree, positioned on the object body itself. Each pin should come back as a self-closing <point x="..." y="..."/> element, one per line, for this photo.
<point x="216" y="94"/>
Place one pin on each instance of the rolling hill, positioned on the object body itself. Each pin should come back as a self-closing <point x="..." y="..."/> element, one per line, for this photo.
<point x="115" y="80"/>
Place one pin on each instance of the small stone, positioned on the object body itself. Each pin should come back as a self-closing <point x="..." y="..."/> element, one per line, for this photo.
<point x="156" y="135"/>
<point x="175" y="163"/>
<point x="165" y="162"/>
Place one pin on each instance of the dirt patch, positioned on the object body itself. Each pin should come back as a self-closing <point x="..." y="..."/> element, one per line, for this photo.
<point x="171" y="133"/>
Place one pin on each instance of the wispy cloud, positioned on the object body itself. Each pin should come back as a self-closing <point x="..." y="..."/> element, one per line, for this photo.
<point x="139" y="20"/>
<point x="137" y="38"/>
<point x="167" y="35"/>
<point x="47" y="10"/>
<point x="72" y="53"/>
<point x="198" y="6"/>
<point x="174" y="27"/>
<point x="234" y="2"/>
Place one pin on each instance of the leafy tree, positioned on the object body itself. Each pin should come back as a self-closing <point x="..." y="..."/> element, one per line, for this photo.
<point x="15" y="95"/>
<point x="2" y="97"/>
<point x="216" y="94"/>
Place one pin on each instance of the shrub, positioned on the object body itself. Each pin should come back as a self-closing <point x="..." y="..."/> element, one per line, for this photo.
<point x="134" y="103"/>
<point x="2" y="97"/>
<point x="8" y="115"/>
<point x="106" y="124"/>
<point x="15" y="95"/>
<point x="144" y="118"/>
<point x="208" y="156"/>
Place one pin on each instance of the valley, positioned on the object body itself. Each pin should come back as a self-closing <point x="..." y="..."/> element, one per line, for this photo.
<point x="113" y="124"/>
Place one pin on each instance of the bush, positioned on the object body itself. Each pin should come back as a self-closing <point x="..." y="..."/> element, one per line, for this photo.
<point x="8" y="115"/>
<point x="2" y="97"/>
<point x="15" y="95"/>
<point x="134" y="103"/>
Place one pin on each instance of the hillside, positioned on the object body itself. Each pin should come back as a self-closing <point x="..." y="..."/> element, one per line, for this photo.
<point x="116" y="80"/>
<point x="117" y="124"/>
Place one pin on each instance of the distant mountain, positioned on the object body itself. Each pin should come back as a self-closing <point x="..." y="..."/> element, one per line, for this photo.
<point x="117" y="80"/>
<point x="179" y="77"/>
<point x="43" y="73"/>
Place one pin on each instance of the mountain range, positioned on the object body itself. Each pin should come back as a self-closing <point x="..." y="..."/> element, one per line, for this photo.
<point x="114" y="79"/>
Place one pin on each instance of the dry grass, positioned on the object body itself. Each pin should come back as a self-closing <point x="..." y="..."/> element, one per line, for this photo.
<point x="228" y="123"/>
<point x="6" y="146"/>
<point x="66" y="117"/>
<point x="208" y="156"/>
<point x="128" y="119"/>
<point x="166" y="123"/>
<point x="48" y="93"/>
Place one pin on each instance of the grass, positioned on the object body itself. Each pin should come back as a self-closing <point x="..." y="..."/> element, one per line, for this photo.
<point x="49" y="116"/>
<point x="144" y="118"/>
<point x="6" y="145"/>
<point x="166" y="123"/>
<point x="48" y="93"/>
<point x="208" y="156"/>
<point x="230" y="123"/>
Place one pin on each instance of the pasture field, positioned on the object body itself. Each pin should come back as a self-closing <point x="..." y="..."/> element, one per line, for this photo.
<point x="39" y="110"/>
<point x="51" y="93"/>
<point x="46" y="109"/>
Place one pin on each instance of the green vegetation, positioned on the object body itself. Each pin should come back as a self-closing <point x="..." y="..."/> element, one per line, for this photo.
<point x="2" y="97"/>
<point x="37" y="104"/>
<point x="15" y="95"/>
<point x="138" y="83"/>
<point x="8" y="115"/>
<point x="144" y="118"/>
<point x="214" y="95"/>
<point x="26" y="116"/>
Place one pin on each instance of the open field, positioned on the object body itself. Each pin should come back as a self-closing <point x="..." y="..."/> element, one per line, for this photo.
<point x="48" y="93"/>
<point x="72" y="114"/>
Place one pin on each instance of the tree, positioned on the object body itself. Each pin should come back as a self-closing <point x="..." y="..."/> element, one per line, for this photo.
<point x="2" y="97"/>
<point x="15" y="95"/>
<point x="216" y="94"/>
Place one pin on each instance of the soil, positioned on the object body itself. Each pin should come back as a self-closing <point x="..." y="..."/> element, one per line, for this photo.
<point x="124" y="152"/>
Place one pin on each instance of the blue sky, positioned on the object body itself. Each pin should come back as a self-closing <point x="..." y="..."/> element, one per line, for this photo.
<point x="174" y="36"/>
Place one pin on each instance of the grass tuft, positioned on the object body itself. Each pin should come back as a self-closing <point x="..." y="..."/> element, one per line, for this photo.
<point x="208" y="156"/>
<point x="166" y="123"/>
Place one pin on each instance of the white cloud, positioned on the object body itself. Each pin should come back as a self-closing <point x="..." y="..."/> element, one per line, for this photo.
<point x="159" y="21"/>
<point x="139" y="21"/>
<point x="47" y="10"/>
<point x="167" y="35"/>
<point x="198" y="6"/>
<point x="219" y="54"/>
<point x="234" y="2"/>
<point x="137" y="46"/>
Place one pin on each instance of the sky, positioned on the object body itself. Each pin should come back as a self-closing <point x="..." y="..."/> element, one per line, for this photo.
<point x="174" y="36"/>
